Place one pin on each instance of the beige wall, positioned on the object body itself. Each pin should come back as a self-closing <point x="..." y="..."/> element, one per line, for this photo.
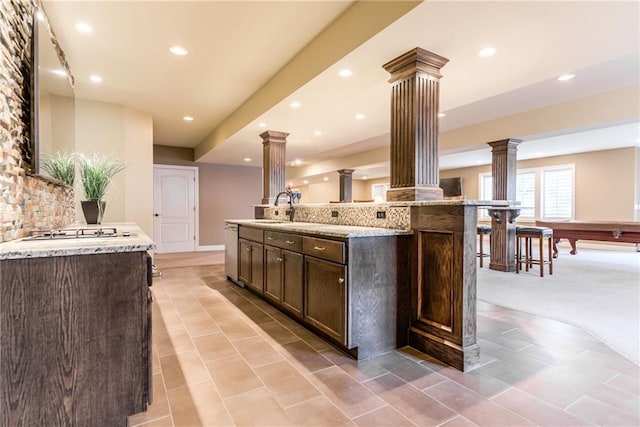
<point x="637" y="181"/>
<point x="606" y="182"/>
<point x="225" y="192"/>
<point x="325" y="192"/>
<point x="126" y="134"/>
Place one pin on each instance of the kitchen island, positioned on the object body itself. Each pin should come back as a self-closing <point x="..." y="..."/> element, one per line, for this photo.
<point x="346" y="283"/>
<point x="75" y="328"/>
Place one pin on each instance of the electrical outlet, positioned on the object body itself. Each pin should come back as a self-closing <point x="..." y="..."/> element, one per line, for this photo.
<point x="381" y="214"/>
<point x="334" y="214"/>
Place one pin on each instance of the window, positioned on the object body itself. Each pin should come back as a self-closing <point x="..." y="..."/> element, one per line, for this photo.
<point x="379" y="192"/>
<point x="546" y="192"/>
<point x="557" y="189"/>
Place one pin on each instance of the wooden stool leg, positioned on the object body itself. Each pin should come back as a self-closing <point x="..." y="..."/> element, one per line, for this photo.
<point x="518" y="253"/>
<point x="527" y="253"/>
<point x="481" y="252"/>
<point x="550" y="257"/>
<point x="541" y="244"/>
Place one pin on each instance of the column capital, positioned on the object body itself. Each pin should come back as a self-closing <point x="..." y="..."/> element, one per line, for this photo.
<point x="415" y="61"/>
<point x="346" y="171"/>
<point x="504" y="144"/>
<point x="274" y="136"/>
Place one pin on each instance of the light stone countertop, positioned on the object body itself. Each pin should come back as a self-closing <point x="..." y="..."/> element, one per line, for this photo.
<point x="447" y="202"/>
<point x="330" y="230"/>
<point x="24" y="248"/>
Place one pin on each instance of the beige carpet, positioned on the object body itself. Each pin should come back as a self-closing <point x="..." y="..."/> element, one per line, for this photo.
<point x="598" y="289"/>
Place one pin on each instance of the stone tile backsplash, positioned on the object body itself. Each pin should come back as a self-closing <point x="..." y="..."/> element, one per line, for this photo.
<point x="396" y="217"/>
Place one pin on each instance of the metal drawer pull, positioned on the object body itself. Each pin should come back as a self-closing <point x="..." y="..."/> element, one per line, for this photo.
<point x="279" y="259"/>
<point x="318" y="248"/>
<point x="269" y="238"/>
<point x="289" y="242"/>
<point x="341" y="280"/>
<point x="248" y="249"/>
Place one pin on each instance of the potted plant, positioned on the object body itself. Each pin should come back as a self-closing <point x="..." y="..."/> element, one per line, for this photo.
<point x="96" y="173"/>
<point x="61" y="166"/>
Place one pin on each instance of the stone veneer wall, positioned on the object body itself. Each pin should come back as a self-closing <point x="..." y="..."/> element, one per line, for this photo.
<point x="396" y="217"/>
<point x="26" y="202"/>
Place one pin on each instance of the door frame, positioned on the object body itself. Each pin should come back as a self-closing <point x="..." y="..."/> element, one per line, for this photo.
<point x="196" y="200"/>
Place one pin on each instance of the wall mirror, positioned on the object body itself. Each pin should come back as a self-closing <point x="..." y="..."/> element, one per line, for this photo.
<point x="53" y="126"/>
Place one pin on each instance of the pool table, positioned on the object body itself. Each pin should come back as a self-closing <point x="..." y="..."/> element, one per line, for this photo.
<point x="603" y="231"/>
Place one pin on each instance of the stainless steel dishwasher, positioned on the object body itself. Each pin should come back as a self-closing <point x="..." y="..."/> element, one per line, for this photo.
<point x="231" y="252"/>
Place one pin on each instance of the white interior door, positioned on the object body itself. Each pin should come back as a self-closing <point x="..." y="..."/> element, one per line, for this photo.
<point x="174" y="204"/>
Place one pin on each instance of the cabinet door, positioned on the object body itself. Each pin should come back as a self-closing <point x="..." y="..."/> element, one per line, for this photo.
<point x="273" y="273"/>
<point x="292" y="282"/>
<point x="324" y="300"/>
<point x="257" y="258"/>
<point x="244" y="267"/>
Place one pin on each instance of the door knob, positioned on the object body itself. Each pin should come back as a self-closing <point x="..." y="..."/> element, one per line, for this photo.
<point x="156" y="214"/>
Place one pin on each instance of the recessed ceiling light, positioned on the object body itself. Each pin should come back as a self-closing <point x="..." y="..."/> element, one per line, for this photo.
<point x="247" y="159"/>
<point x="441" y="114"/>
<point x="478" y="162"/>
<point x="539" y="153"/>
<point x="178" y="50"/>
<point x="294" y="104"/>
<point x="290" y="184"/>
<point x="61" y="73"/>
<point x="565" y="77"/>
<point x="40" y="15"/>
<point x="487" y="51"/>
<point x="305" y="181"/>
<point x="96" y="79"/>
<point x="365" y="177"/>
<point x="317" y="133"/>
<point x="262" y="125"/>
<point x="83" y="27"/>
<point x="325" y="179"/>
<point x="359" y="116"/>
<point x="345" y="73"/>
<point x="187" y="118"/>
<point x="297" y="162"/>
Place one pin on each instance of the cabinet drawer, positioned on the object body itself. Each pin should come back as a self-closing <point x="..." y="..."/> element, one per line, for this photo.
<point x="283" y="240"/>
<point x="331" y="250"/>
<point x="249" y="233"/>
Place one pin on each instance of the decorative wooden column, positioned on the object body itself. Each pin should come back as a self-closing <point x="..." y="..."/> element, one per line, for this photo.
<point x="345" y="185"/>
<point x="273" y="164"/>
<point x="415" y="79"/>
<point x="503" y="225"/>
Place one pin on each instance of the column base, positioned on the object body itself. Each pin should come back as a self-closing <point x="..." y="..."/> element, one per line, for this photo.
<point x="502" y="267"/>
<point x="411" y="194"/>
<point x="464" y="359"/>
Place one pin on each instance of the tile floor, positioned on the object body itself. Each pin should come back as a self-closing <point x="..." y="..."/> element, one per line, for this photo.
<point x="223" y="357"/>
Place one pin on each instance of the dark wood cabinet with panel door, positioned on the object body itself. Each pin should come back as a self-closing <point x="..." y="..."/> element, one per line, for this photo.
<point x="284" y="270"/>
<point x="283" y="279"/>
<point x="325" y="305"/>
<point x="350" y="290"/>
<point x="251" y="257"/>
<point x="76" y="337"/>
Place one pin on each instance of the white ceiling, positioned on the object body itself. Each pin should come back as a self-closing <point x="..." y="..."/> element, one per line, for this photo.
<point x="235" y="47"/>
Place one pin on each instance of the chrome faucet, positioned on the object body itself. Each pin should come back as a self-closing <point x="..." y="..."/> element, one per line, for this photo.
<point x="289" y="193"/>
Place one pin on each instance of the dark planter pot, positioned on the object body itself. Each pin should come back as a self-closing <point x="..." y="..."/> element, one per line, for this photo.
<point x="92" y="211"/>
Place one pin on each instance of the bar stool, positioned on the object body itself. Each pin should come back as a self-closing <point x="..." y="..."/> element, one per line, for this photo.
<point x="528" y="234"/>
<point x="482" y="231"/>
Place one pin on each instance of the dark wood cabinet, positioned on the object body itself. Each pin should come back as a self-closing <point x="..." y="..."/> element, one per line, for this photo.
<point x="283" y="275"/>
<point x="75" y="335"/>
<point x="250" y="269"/>
<point x="273" y="268"/>
<point x="292" y="282"/>
<point x="325" y="304"/>
<point x="346" y="289"/>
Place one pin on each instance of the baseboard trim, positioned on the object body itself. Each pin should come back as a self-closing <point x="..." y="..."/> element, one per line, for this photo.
<point x="210" y="248"/>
